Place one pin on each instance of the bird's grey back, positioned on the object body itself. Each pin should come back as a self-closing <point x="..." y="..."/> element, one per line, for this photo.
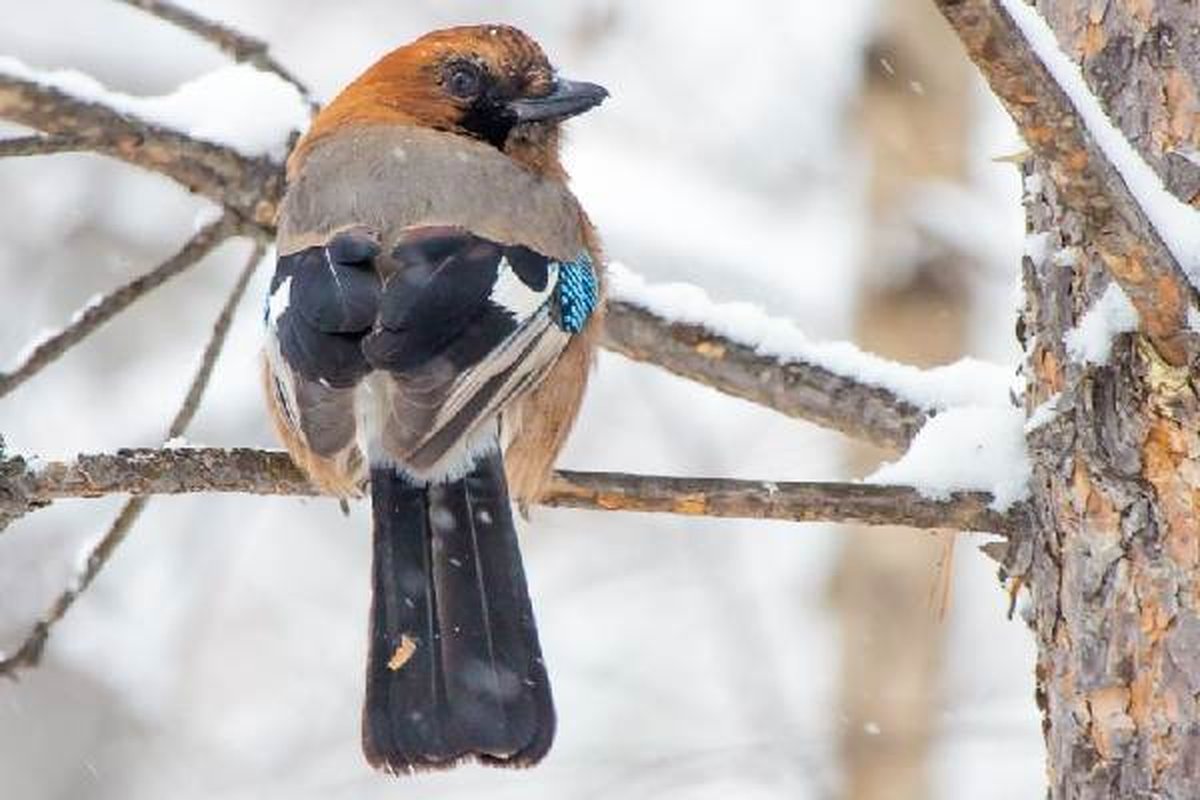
<point x="390" y="178"/>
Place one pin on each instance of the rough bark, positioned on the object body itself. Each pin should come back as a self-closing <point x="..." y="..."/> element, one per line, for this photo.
<point x="1115" y="225"/>
<point x="1114" y="568"/>
<point x="1115" y="572"/>
<point x="1133" y="50"/>
<point x="1114" y="575"/>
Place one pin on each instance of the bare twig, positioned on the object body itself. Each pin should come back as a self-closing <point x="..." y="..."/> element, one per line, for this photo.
<point x="179" y="471"/>
<point x="796" y="388"/>
<point x="241" y="47"/>
<point x="862" y="503"/>
<point x="1126" y="240"/>
<point x="46" y="145"/>
<point x="30" y="651"/>
<point x="248" y="187"/>
<point x="216" y="343"/>
<point x="96" y="314"/>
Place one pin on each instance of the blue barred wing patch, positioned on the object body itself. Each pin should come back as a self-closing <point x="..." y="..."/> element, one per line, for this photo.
<point x="576" y="294"/>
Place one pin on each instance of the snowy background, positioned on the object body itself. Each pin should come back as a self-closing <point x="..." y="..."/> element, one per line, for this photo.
<point x="221" y="654"/>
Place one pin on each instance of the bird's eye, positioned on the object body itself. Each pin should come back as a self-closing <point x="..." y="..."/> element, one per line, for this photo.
<point x="464" y="81"/>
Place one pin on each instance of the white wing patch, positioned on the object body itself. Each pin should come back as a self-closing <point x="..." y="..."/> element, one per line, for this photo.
<point x="278" y="302"/>
<point x="512" y="293"/>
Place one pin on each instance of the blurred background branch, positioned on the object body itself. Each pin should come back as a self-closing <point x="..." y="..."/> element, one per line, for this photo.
<point x="30" y="650"/>
<point x="241" y="47"/>
<point x="87" y="319"/>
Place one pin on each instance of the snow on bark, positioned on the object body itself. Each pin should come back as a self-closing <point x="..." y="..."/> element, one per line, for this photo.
<point x="251" y="111"/>
<point x="1177" y="223"/>
<point x="965" y="382"/>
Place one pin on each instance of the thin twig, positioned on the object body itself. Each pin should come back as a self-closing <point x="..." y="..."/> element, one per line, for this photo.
<point x="46" y="145"/>
<point x="241" y="47"/>
<point x="30" y="651"/>
<point x="92" y="316"/>
<point x="793" y="387"/>
<point x="1126" y="241"/>
<point x="816" y="501"/>
<point x="216" y="343"/>
<point x="265" y="472"/>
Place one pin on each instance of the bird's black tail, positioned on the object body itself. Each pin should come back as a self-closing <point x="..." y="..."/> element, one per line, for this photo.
<point x="455" y="670"/>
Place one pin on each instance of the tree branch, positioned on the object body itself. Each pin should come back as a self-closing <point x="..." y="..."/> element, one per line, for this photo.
<point x="180" y="471"/>
<point x="248" y="187"/>
<point x="216" y="344"/>
<point x="1126" y="240"/>
<point x="241" y="47"/>
<point x="796" y="388"/>
<point x="30" y="651"/>
<point x="46" y="145"/>
<point x="96" y="314"/>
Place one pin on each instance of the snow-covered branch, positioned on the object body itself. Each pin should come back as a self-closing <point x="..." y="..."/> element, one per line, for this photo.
<point x="1082" y="161"/>
<point x="186" y="470"/>
<point x="72" y="106"/>
<point x="740" y="350"/>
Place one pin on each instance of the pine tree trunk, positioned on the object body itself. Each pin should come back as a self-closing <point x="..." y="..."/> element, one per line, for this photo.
<point x="1115" y="569"/>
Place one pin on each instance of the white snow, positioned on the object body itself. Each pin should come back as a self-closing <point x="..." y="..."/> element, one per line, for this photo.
<point x="965" y="382"/>
<point x="1037" y="247"/>
<point x="81" y="312"/>
<point x="46" y="334"/>
<point x="1190" y="153"/>
<point x="1043" y="414"/>
<point x="252" y="111"/>
<point x="972" y="448"/>
<point x="1067" y="257"/>
<point x="1090" y="341"/>
<point x="29" y="348"/>
<point x="1177" y="223"/>
<point x="1193" y="319"/>
<point x="207" y="215"/>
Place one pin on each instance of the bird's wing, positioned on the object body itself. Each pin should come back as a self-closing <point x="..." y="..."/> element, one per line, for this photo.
<point x="465" y="325"/>
<point x="322" y="302"/>
<point x="449" y="325"/>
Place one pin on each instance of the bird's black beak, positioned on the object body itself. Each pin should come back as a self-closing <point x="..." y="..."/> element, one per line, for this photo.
<point x="567" y="99"/>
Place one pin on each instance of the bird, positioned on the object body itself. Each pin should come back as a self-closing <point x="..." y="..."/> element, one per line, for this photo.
<point x="431" y="325"/>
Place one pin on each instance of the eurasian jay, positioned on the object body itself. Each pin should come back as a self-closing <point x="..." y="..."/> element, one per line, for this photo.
<point x="431" y="324"/>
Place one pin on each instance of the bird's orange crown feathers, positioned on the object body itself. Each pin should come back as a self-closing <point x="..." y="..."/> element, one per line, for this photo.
<point x="467" y="80"/>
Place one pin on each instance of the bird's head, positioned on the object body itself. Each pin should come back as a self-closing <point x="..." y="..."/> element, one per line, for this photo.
<point x="492" y="83"/>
